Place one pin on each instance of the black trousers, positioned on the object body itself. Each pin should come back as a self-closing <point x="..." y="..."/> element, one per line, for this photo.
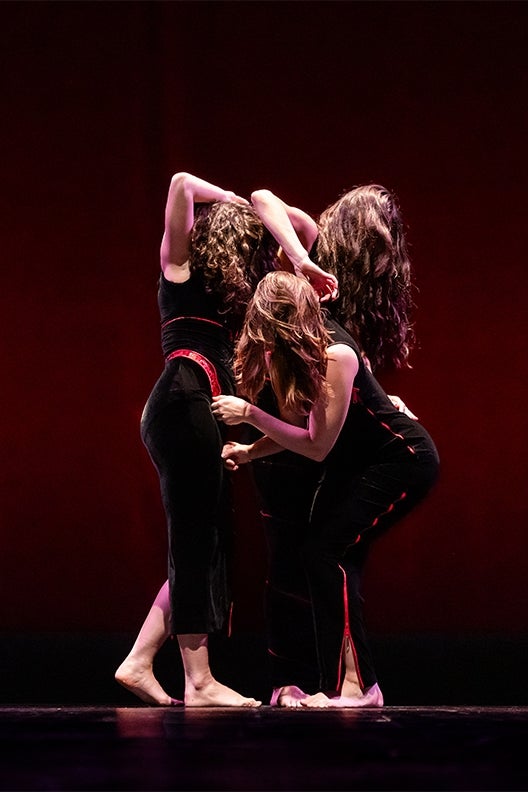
<point x="320" y="524"/>
<point x="184" y="441"/>
<point x="286" y="484"/>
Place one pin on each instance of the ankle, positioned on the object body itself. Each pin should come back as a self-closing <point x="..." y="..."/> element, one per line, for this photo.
<point x="351" y="688"/>
<point x="199" y="680"/>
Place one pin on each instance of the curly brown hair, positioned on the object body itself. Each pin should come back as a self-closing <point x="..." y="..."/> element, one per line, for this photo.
<point x="231" y="250"/>
<point x="284" y="319"/>
<point x="362" y="241"/>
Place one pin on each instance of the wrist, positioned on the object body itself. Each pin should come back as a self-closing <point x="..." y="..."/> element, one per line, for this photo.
<point x="248" y="412"/>
<point x="302" y="263"/>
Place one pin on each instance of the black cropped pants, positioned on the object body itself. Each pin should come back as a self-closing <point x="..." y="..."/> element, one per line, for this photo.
<point x="320" y="524"/>
<point x="185" y="441"/>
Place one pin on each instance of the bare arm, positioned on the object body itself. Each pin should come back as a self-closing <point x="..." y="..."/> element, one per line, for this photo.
<point x="295" y="231"/>
<point x="324" y="422"/>
<point x="185" y="190"/>
<point x="236" y="454"/>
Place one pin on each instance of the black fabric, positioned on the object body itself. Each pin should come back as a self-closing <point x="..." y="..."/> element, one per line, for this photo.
<point x="190" y="319"/>
<point x="322" y="526"/>
<point x="185" y="441"/>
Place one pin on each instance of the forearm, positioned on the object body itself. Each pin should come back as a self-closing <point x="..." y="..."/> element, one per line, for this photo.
<point x="264" y="447"/>
<point x="196" y="190"/>
<point x="185" y="191"/>
<point x="284" y="435"/>
<point x="279" y="220"/>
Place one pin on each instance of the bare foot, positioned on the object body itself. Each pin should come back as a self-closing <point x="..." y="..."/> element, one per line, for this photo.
<point x="287" y="696"/>
<point x="140" y="680"/>
<point x="214" y="694"/>
<point x="317" y="701"/>
<point x="371" y="697"/>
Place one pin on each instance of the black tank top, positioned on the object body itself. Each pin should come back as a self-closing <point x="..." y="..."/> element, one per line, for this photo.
<point x="374" y="430"/>
<point x="191" y="319"/>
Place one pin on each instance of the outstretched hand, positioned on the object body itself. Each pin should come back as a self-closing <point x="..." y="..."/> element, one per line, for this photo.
<point x="230" y="409"/>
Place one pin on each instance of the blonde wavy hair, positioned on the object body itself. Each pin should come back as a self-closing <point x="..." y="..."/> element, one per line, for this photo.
<point x="362" y="241"/>
<point x="284" y="320"/>
<point x="231" y="251"/>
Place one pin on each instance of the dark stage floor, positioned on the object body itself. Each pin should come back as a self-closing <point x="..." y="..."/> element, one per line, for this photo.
<point x="141" y="748"/>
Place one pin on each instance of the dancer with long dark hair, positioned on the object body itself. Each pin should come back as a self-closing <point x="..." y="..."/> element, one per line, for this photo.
<point x="376" y="461"/>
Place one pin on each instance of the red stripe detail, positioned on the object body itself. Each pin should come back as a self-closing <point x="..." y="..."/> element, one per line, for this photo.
<point x="356" y="398"/>
<point x="196" y="319"/>
<point x="388" y="511"/>
<point x="348" y="634"/>
<point x="202" y="361"/>
<point x="394" y="434"/>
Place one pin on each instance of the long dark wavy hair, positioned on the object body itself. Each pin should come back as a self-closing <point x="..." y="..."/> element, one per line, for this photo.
<point x="231" y="250"/>
<point x="362" y="241"/>
<point x="284" y="320"/>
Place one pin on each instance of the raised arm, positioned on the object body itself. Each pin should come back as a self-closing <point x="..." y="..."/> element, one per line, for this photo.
<point x="185" y="190"/>
<point x="295" y="231"/>
<point x="324" y="422"/>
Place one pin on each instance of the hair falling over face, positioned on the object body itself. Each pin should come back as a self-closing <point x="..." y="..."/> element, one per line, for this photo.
<point x="362" y="241"/>
<point x="284" y="337"/>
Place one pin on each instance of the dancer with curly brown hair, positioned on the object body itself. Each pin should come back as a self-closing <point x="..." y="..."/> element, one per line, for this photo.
<point x="375" y="461"/>
<point x="214" y="251"/>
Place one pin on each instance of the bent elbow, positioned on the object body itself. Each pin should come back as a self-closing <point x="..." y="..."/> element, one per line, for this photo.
<point x="180" y="178"/>
<point x="261" y="197"/>
<point x="180" y="182"/>
<point x="319" y="454"/>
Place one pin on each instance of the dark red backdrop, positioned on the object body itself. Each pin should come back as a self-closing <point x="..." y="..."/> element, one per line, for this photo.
<point x="101" y="103"/>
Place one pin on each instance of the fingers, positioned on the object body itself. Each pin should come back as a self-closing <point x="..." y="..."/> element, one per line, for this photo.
<point x="228" y="449"/>
<point x="216" y="406"/>
<point x="231" y="197"/>
<point x="330" y="294"/>
<point x="402" y="407"/>
<point x="328" y="290"/>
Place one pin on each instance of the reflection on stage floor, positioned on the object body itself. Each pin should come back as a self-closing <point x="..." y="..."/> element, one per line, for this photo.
<point x="142" y="748"/>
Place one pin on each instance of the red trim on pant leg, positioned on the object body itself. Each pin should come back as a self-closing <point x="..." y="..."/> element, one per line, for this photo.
<point x="377" y="519"/>
<point x="347" y="634"/>
<point x="393" y="433"/>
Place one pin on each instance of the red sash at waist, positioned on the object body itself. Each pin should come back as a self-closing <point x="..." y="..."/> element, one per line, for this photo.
<point x="205" y="364"/>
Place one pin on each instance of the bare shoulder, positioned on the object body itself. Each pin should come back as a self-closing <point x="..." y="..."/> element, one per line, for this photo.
<point x="342" y="363"/>
<point x="342" y="353"/>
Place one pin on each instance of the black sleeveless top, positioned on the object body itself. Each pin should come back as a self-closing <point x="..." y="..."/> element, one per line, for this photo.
<point x="191" y="319"/>
<point x="374" y="430"/>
